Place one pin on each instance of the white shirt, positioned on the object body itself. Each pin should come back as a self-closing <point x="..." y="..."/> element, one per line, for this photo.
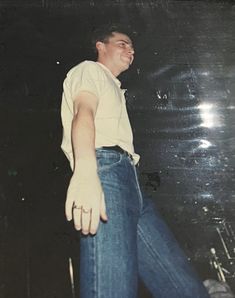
<point x="112" y="126"/>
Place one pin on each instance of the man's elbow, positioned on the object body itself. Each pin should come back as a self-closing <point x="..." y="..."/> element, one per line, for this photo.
<point x="83" y="114"/>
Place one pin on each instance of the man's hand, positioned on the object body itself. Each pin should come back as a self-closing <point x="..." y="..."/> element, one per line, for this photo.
<point x="85" y="202"/>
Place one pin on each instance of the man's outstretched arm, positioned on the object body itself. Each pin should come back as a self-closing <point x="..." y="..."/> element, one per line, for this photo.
<point x="85" y="202"/>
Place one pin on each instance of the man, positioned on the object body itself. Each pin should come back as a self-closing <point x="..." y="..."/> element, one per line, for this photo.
<point x="122" y="235"/>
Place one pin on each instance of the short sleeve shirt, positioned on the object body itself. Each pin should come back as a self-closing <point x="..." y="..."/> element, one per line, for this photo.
<point x="112" y="126"/>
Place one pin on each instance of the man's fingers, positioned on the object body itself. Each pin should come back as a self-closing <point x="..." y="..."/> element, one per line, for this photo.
<point x="77" y="217"/>
<point x="103" y="213"/>
<point x="68" y="209"/>
<point x="86" y="219"/>
<point x="95" y="218"/>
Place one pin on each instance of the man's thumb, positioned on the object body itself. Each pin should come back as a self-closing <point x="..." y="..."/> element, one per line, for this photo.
<point x="68" y="210"/>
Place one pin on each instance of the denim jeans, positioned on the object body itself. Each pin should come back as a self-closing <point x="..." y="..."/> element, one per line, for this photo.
<point x="134" y="242"/>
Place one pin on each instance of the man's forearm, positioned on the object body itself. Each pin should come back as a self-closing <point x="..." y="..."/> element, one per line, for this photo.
<point x="83" y="140"/>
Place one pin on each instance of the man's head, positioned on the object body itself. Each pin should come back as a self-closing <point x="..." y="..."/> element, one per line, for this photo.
<point x="114" y="48"/>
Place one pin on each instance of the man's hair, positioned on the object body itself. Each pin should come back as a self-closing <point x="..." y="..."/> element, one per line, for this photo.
<point x="103" y="33"/>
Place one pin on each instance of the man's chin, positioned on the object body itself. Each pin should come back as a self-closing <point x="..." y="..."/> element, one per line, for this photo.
<point x="126" y="67"/>
<point x="128" y="64"/>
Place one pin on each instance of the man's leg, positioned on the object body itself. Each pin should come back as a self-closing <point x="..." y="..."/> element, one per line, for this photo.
<point x="108" y="260"/>
<point x="163" y="266"/>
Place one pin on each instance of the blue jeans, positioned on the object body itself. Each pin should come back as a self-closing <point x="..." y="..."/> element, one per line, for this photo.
<point x="134" y="242"/>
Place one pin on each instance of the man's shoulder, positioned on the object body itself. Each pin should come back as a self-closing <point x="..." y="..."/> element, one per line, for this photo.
<point x="85" y="66"/>
<point x="85" y="63"/>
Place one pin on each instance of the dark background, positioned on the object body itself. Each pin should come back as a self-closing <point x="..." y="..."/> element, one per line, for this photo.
<point x="181" y="104"/>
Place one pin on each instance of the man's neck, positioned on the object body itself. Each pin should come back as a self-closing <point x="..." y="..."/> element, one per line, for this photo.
<point x="114" y="71"/>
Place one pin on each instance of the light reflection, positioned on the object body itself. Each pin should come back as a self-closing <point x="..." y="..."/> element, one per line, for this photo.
<point x="205" y="106"/>
<point x="204" y="144"/>
<point x="205" y="73"/>
<point x="206" y="196"/>
<point x="208" y="120"/>
<point x="207" y="114"/>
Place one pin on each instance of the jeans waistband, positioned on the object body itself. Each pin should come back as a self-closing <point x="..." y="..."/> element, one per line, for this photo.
<point x="117" y="149"/>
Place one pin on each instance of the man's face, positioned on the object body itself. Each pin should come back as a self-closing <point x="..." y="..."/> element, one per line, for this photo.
<point x="118" y="51"/>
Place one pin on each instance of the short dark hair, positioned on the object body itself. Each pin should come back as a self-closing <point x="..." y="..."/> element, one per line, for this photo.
<point x="104" y="32"/>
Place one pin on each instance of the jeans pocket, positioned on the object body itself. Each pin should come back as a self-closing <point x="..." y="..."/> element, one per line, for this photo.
<point x="108" y="161"/>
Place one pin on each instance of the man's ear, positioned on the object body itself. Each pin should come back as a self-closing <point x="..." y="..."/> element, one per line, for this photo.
<point x="100" y="46"/>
